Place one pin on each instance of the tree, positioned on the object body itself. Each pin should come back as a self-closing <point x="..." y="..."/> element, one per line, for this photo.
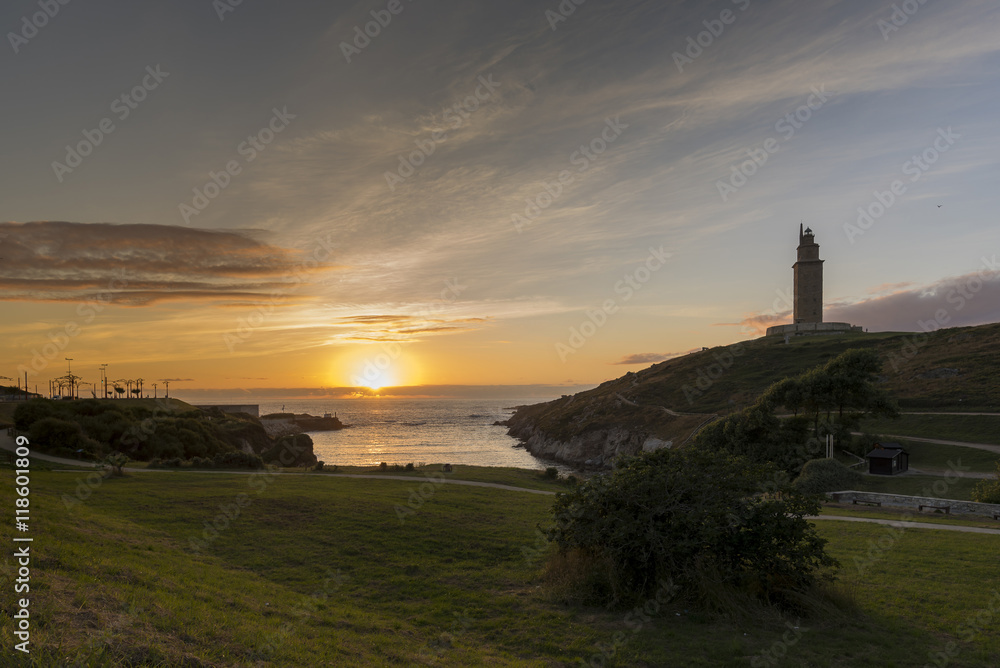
<point x="846" y="387"/>
<point x="116" y="461"/>
<point x="695" y="518"/>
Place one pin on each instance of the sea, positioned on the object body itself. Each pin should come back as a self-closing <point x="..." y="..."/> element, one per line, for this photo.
<point x="400" y="430"/>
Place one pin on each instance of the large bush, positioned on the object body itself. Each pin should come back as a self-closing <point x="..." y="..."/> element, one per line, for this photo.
<point x="988" y="490"/>
<point x="692" y="517"/>
<point x="826" y="475"/>
<point x="291" y="450"/>
<point x="29" y="412"/>
<point x="56" y="434"/>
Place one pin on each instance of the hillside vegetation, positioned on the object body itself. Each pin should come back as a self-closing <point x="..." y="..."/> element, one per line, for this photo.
<point x="146" y="429"/>
<point x="950" y="369"/>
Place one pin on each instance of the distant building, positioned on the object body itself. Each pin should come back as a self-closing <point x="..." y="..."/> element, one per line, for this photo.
<point x="807" y="303"/>
<point x="888" y="459"/>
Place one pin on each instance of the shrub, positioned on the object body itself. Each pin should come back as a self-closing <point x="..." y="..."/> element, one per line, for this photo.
<point x="826" y="475"/>
<point x="238" y="460"/>
<point x="173" y="462"/>
<point x="56" y="433"/>
<point x="291" y="450"/>
<point x="409" y="467"/>
<point x="319" y="466"/>
<point x="116" y="461"/>
<point x="988" y="491"/>
<point x="551" y="473"/>
<point x="693" y="517"/>
<point x="383" y="466"/>
<point x="30" y="412"/>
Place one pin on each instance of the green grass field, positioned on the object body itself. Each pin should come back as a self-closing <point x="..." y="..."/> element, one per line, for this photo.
<point x="935" y="456"/>
<point x="967" y="428"/>
<point x="919" y="485"/>
<point x="319" y="570"/>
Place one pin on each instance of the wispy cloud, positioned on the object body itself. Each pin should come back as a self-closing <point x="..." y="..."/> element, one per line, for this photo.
<point x="138" y="265"/>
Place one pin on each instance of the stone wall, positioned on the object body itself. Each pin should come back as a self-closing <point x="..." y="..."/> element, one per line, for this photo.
<point x="901" y="501"/>
<point x="814" y="328"/>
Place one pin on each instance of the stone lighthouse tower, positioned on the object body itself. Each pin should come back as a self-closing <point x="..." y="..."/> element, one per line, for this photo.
<point x="807" y="311"/>
<point x="808" y="304"/>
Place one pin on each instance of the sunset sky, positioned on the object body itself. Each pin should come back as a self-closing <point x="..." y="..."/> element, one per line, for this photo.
<point x="261" y="195"/>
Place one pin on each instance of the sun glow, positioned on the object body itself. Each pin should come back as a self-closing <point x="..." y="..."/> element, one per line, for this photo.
<point x="374" y="369"/>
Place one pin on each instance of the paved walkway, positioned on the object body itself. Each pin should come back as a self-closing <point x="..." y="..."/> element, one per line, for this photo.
<point x="907" y="525"/>
<point x="7" y="443"/>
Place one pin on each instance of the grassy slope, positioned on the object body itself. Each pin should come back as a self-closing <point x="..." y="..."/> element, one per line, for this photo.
<point x="932" y="456"/>
<point x="733" y="376"/>
<point x="968" y="428"/>
<point x="449" y="586"/>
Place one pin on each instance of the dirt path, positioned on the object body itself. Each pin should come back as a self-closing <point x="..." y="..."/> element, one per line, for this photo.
<point x="907" y="525"/>
<point x="960" y="474"/>
<point x="929" y="413"/>
<point x="7" y="443"/>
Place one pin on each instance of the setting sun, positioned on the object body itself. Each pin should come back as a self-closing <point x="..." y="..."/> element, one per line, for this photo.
<point x="375" y="368"/>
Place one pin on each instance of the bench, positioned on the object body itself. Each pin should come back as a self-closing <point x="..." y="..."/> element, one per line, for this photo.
<point x="857" y="502"/>
<point x="946" y="509"/>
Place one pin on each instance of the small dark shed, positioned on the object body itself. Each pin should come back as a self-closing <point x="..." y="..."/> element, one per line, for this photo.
<point x="888" y="459"/>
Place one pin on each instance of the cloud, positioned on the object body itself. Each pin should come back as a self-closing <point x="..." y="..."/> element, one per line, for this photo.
<point x="960" y="301"/>
<point x="649" y="358"/>
<point x="138" y="265"/>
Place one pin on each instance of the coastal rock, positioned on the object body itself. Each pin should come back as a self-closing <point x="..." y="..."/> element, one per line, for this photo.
<point x="652" y="443"/>
<point x="596" y="449"/>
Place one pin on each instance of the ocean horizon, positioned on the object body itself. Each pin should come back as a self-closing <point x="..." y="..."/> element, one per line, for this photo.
<point x="400" y="430"/>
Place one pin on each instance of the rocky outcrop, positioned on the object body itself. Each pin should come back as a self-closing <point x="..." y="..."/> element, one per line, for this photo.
<point x="592" y="450"/>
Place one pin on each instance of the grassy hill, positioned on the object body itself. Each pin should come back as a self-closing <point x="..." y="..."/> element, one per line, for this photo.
<point x="319" y="571"/>
<point x="951" y="369"/>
